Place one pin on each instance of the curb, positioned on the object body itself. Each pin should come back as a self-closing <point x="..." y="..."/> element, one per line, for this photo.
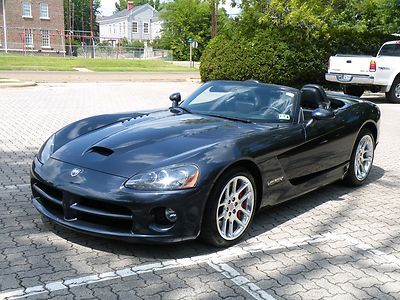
<point x="7" y="83"/>
<point x="74" y="76"/>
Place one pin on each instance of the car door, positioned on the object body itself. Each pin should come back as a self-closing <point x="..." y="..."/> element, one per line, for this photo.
<point x="326" y="146"/>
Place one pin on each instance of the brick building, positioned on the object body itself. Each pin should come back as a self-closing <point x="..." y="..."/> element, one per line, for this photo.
<point x="32" y="25"/>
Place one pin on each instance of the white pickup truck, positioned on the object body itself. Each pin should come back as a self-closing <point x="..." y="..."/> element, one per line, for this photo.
<point x="357" y="73"/>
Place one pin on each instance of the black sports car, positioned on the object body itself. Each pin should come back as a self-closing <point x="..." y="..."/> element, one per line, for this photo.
<point x="204" y="166"/>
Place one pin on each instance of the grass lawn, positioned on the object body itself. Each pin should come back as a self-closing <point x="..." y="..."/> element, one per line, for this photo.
<point x="14" y="62"/>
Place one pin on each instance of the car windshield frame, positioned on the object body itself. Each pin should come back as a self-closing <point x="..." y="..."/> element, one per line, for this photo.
<point x="234" y="88"/>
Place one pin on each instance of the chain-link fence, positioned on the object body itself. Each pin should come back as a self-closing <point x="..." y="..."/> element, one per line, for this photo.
<point x="97" y="51"/>
<point x="80" y="44"/>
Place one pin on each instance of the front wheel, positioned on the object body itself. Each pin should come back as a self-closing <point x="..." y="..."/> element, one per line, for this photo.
<point x="353" y="90"/>
<point x="394" y="94"/>
<point x="361" y="159"/>
<point x="230" y="209"/>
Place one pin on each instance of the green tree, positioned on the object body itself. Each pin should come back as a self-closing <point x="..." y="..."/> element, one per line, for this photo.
<point x="122" y="4"/>
<point x="184" y="19"/>
<point x="289" y="42"/>
<point x="321" y="16"/>
<point x="79" y="11"/>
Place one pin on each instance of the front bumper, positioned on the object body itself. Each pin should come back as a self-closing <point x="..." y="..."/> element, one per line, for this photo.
<point x="98" y="204"/>
<point x="351" y="79"/>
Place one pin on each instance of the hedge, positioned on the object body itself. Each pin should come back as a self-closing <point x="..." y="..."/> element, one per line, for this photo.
<point x="288" y="56"/>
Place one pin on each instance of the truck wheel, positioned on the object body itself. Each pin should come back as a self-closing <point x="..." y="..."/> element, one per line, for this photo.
<point x="353" y="90"/>
<point x="394" y="94"/>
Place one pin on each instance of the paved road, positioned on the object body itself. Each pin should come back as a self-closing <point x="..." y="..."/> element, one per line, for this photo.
<point x="76" y="77"/>
<point x="335" y="243"/>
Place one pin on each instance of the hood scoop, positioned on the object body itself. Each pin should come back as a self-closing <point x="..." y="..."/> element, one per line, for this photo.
<point x="100" y="150"/>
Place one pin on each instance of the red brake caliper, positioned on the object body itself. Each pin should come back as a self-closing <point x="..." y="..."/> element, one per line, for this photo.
<point x="239" y="213"/>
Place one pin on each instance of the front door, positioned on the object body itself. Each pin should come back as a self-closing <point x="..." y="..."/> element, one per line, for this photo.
<point x="326" y="146"/>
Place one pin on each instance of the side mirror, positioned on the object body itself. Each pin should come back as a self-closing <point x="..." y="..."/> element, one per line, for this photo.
<point x="322" y="114"/>
<point x="175" y="98"/>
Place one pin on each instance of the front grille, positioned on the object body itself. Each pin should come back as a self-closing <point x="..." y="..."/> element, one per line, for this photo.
<point x="73" y="207"/>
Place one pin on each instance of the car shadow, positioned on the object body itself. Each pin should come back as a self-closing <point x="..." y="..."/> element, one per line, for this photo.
<point x="266" y="220"/>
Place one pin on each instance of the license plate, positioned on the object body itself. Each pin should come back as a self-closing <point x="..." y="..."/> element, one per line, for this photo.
<point x="344" y="78"/>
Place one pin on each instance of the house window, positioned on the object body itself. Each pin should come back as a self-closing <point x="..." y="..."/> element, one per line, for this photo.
<point x="45" y="39"/>
<point x="145" y="27"/>
<point x="109" y="27"/>
<point x="26" y="10"/>
<point x="134" y="27"/>
<point x="120" y="28"/>
<point x="44" y="11"/>
<point x="123" y="27"/>
<point x="28" y="38"/>
<point x="114" y="28"/>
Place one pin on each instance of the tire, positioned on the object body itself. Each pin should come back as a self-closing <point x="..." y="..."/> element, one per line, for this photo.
<point x="358" y="170"/>
<point x="222" y="210"/>
<point x="353" y="90"/>
<point x="394" y="94"/>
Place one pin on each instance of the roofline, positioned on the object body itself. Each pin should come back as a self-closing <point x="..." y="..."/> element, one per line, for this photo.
<point x="129" y="14"/>
<point x="118" y="18"/>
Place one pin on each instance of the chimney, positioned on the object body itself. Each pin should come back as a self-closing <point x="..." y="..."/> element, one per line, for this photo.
<point x="130" y="5"/>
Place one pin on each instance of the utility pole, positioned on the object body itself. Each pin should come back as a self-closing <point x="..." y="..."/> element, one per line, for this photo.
<point x="69" y="28"/>
<point x="91" y="27"/>
<point x="82" y="23"/>
<point x="5" y="26"/>
<point x="73" y="17"/>
<point x="214" y="18"/>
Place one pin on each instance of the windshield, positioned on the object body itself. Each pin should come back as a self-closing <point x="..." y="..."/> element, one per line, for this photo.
<point x="243" y="101"/>
<point x="390" y="50"/>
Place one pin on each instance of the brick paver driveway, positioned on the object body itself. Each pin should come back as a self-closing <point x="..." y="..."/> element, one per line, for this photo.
<point x="336" y="242"/>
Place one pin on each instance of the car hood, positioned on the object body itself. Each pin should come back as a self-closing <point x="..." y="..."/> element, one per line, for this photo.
<point x="128" y="147"/>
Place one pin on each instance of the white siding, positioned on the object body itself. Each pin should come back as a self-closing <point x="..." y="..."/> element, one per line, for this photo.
<point x="122" y="27"/>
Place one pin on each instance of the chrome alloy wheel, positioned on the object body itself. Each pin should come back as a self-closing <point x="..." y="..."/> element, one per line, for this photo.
<point x="364" y="157"/>
<point x="397" y="91"/>
<point x="235" y="207"/>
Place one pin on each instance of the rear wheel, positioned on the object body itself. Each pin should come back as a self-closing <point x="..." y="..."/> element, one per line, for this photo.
<point x="361" y="159"/>
<point x="353" y="90"/>
<point x="230" y="208"/>
<point x="394" y="94"/>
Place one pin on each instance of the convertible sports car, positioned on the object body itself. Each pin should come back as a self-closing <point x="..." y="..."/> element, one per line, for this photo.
<point x="204" y="166"/>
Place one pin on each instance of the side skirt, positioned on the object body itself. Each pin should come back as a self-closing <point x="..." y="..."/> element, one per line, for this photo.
<point x="289" y="189"/>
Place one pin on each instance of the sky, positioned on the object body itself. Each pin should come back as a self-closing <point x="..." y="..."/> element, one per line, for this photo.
<point x="108" y="7"/>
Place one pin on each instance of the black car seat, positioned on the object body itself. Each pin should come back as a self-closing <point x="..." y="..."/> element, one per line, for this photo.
<point x="313" y="96"/>
<point x="245" y="103"/>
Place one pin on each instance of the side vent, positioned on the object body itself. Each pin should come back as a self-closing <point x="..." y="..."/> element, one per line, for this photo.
<point x="101" y="151"/>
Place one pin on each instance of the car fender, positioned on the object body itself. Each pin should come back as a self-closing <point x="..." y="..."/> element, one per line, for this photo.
<point x="392" y="79"/>
<point x="224" y="156"/>
<point x="369" y="120"/>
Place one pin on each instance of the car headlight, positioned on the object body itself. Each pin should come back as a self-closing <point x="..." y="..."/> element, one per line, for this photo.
<point x="47" y="150"/>
<point x="168" y="178"/>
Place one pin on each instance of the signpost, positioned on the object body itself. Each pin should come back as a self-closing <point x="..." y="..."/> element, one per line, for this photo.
<point x="192" y="45"/>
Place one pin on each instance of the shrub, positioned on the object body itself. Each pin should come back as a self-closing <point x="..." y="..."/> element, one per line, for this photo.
<point x="287" y="56"/>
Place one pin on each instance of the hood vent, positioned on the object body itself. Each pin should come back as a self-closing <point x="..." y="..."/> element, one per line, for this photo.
<point x="101" y="150"/>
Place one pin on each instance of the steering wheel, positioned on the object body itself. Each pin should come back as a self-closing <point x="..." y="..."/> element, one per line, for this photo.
<point x="268" y="109"/>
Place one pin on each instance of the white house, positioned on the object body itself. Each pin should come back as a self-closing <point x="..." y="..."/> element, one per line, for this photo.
<point x="134" y="23"/>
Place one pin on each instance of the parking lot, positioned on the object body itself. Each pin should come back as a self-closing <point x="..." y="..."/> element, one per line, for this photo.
<point x="335" y="243"/>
